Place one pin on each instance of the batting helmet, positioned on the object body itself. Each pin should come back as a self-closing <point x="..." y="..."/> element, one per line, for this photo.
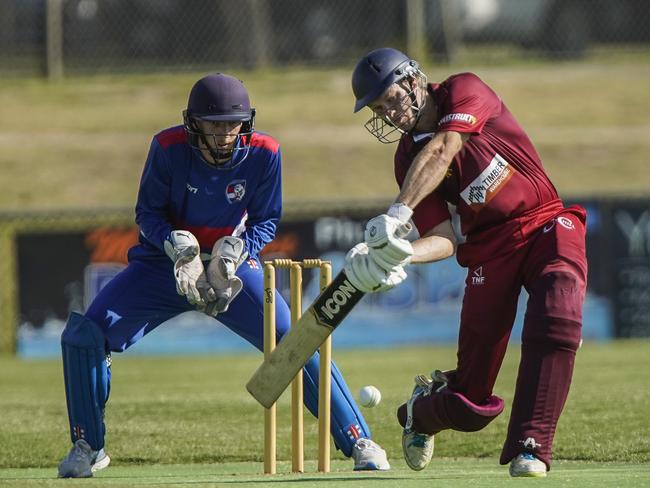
<point x="220" y="98"/>
<point x="376" y="71"/>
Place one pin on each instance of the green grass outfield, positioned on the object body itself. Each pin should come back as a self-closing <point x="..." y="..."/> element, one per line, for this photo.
<point x="444" y="473"/>
<point x="189" y="420"/>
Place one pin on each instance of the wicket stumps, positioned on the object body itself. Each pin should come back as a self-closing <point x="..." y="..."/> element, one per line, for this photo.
<point x="324" y="380"/>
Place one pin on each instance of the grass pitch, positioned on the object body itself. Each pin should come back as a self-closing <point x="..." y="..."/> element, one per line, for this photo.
<point x="178" y="421"/>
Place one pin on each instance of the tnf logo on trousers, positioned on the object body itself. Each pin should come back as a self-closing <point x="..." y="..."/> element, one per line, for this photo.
<point x="477" y="276"/>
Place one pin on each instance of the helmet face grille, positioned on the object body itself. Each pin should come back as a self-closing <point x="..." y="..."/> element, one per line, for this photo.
<point x="383" y="128"/>
<point x="223" y="159"/>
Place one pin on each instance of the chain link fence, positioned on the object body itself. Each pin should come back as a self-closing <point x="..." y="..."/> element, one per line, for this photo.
<point x="53" y="37"/>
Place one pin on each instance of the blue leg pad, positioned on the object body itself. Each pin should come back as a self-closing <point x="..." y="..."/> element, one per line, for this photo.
<point x="347" y="421"/>
<point x="87" y="379"/>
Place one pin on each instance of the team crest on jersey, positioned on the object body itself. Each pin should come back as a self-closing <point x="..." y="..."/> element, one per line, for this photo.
<point x="486" y="185"/>
<point x="235" y="191"/>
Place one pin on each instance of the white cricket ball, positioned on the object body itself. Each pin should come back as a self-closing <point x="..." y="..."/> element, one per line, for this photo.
<point x="369" y="396"/>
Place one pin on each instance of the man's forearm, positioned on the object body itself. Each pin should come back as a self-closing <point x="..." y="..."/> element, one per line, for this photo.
<point x="429" y="167"/>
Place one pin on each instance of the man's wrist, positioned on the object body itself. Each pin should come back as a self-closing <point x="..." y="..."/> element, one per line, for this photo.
<point x="400" y="211"/>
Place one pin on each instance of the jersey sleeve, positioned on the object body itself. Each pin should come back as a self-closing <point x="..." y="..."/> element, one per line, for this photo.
<point x="470" y="103"/>
<point x="152" y="207"/>
<point x="265" y="209"/>
<point x="432" y="210"/>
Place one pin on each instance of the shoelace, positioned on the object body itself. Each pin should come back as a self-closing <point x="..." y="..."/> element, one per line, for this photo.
<point x="366" y="444"/>
<point x="528" y="456"/>
<point x="79" y="454"/>
<point x="419" y="440"/>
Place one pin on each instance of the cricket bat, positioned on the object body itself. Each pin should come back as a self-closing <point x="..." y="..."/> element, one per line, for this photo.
<point x="303" y="340"/>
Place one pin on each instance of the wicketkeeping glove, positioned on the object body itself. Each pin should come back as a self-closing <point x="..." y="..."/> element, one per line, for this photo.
<point x="183" y="249"/>
<point x="228" y="254"/>
<point x="366" y="275"/>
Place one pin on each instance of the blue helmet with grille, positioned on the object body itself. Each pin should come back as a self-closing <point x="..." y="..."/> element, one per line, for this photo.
<point x="376" y="71"/>
<point x="219" y="98"/>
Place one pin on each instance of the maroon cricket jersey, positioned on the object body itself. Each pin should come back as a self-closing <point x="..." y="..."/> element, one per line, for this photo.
<point x="496" y="181"/>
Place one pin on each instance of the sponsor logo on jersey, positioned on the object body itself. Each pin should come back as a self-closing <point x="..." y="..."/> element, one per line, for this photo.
<point x="566" y="222"/>
<point x="466" y="118"/>
<point x="477" y="276"/>
<point x="192" y="189"/>
<point x="235" y="191"/>
<point x="486" y="185"/>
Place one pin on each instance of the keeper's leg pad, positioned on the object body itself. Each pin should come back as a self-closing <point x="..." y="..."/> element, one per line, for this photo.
<point x="86" y="371"/>
<point x="447" y="409"/>
<point x="347" y="421"/>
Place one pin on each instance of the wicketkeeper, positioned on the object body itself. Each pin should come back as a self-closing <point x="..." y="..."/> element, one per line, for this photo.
<point x="210" y="199"/>
<point x="460" y="145"/>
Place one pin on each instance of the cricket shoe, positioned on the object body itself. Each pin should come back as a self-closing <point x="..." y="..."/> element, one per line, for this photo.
<point x="418" y="447"/>
<point x="527" y="465"/>
<point x="82" y="461"/>
<point x="369" y="456"/>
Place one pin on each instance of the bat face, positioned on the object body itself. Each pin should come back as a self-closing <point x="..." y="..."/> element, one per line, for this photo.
<point x="303" y="340"/>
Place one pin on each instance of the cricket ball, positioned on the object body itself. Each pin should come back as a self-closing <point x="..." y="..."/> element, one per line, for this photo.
<point x="369" y="396"/>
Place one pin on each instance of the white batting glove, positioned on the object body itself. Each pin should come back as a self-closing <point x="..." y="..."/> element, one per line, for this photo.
<point x="183" y="249"/>
<point x="228" y="253"/>
<point x="366" y="275"/>
<point x="385" y="237"/>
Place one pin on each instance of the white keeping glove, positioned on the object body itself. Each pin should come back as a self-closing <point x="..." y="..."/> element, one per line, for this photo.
<point x="183" y="249"/>
<point x="366" y="275"/>
<point x="385" y="234"/>
<point x="227" y="255"/>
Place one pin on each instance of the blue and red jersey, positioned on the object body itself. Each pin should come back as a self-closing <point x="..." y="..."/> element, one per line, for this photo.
<point x="180" y="191"/>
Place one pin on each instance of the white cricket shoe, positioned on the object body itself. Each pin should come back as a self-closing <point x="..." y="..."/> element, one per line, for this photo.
<point x="526" y="464"/>
<point x="82" y="461"/>
<point x="418" y="447"/>
<point x="369" y="456"/>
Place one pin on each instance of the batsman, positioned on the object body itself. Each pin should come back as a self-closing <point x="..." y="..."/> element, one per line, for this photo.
<point x="460" y="147"/>
<point x="210" y="199"/>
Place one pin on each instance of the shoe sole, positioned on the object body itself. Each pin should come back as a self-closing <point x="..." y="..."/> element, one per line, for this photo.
<point x="528" y="474"/>
<point x="101" y="464"/>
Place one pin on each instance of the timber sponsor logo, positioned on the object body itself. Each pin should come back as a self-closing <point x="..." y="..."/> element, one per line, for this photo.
<point x="477" y="276"/>
<point x="336" y="301"/>
<point x="486" y="185"/>
<point x="466" y="118"/>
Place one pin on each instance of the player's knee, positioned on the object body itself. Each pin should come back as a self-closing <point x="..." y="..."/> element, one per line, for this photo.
<point x="450" y="410"/>
<point x="556" y="299"/>
<point x="82" y="332"/>
<point x="554" y="315"/>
